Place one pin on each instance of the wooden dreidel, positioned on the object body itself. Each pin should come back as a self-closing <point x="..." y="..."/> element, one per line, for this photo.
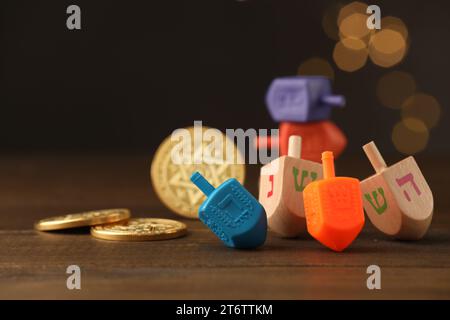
<point x="397" y="199"/>
<point x="281" y="185"/>
<point x="232" y="213"/>
<point x="333" y="207"/>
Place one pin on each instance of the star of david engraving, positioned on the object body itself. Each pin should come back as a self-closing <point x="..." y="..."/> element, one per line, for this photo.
<point x="180" y="181"/>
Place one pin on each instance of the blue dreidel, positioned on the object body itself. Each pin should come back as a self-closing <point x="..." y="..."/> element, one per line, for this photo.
<point x="232" y="213"/>
<point x="302" y="99"/>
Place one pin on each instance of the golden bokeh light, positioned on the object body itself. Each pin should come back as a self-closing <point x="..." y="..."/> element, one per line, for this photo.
<point x="354" y="26"/>
<point x="350" y="54"/>
<point x="329" y="21"/>
<point x="396" y="24"/>
<point x="387" y="48"/>
<point x="394" y="88"/>
<point x="355" y="7"/>
<point x="424" y="107"/>
<point x="354" y="44"/>
<point x="410" y="136"/>
<point x="316" y="66"/>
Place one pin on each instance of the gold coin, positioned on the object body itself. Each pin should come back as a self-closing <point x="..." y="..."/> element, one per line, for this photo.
<point x="83" y="219"/>
<point x="171" y="181"/>
<point x="140" y="229"/>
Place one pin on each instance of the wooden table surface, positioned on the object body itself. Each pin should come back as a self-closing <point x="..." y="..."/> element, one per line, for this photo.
<point x="198" y="266"/>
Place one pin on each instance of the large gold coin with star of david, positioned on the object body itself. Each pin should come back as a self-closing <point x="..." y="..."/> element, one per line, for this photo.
<point x="171" y="179"/>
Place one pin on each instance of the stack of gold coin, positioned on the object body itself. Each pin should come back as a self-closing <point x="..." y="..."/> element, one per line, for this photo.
<point x="115" y="224"/>
<point x="83" y="219"/>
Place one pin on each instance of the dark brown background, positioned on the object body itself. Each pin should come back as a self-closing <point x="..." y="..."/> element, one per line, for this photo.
<point x="139" y="69"/>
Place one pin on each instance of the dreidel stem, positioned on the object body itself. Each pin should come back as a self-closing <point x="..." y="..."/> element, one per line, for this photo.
<point x="202" y="183"/>
<point x="375" y="157"/>
<point x="333" y="100"/>
<point x="328" y="165"/>
<point x="295" y="147"/>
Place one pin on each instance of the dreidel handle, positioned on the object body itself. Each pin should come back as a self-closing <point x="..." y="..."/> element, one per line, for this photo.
<point x="328" y="165"/>
<point x="295" y="147"/>
<point x="375" y="157"/>
<point x="333" y="100"/>
<point x="202" y="183"/>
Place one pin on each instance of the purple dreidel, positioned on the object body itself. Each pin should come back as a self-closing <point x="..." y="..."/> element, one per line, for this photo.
<point x="302" y="99"/>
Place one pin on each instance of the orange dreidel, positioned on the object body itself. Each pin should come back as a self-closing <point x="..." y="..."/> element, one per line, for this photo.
<point x="333" y="207"/>
<point x="280" y="189"/>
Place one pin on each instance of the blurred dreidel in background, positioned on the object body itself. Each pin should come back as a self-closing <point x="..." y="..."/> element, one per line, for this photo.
<point x="302" y="105"/>
<point x="317" y="136"/>
<point x="232" y="213"/>
<point x="397" y="199"/>
<point x="333" y="207"/>
<point x="301" y="99"/>
<point x="280" y="190"/>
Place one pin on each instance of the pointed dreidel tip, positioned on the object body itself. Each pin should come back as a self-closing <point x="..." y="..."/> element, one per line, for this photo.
<point x="333" y="100"/>
<point x="202" y="183"/>
<point x="375" y="157"/>
<point x="328" y="164"/>
<point x="295" y="147"/>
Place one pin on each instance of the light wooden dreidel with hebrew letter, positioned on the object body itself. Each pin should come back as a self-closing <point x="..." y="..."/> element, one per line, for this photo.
<point x="333" y="207"/>
<point x="397" y="199"/>
<point x="281" y="186"/>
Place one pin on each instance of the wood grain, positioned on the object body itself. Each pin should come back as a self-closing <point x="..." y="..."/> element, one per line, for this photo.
<point x="197" y="266"/>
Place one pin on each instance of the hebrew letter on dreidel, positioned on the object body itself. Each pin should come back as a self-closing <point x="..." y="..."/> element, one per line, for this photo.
<point x="296" y="185"/>
<point x="404" y="180"/>
<point x="270" y="193"/>
<point x="229" y="204"/>
<point x="300" y="187"/>
<point x="379" y="209"/>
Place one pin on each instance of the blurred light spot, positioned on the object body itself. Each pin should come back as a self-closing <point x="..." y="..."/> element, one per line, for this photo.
<point x="424" y="107"/>
<point x="395" y="24"/>
<point x="394" y="88"/>
<point x="354" y="44"/>
<point x="387" y="48"/>
<point x="350" y="54"/>
<point x="410" y="136"/>
<point x="329" y="21"/>
<point x="354" y="26"/>
<point x="316" y="66"/>
<point x="351" y="8"/>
